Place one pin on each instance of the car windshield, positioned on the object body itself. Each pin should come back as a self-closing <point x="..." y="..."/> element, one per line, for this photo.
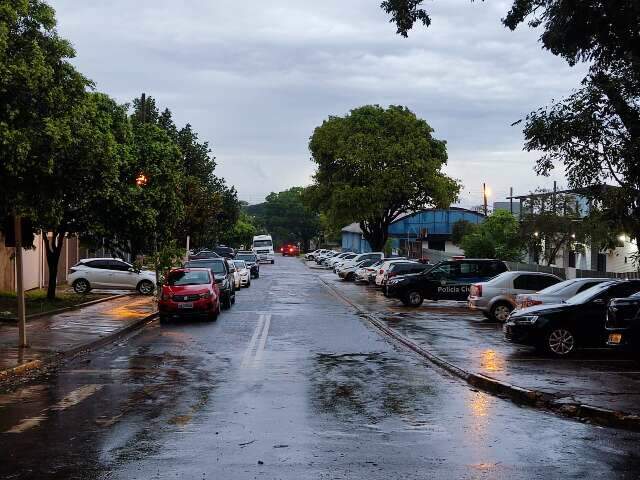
<point x="240" y="264"/>
<point x="589" y="293"/>
<point x="188" y="278"/>
<point x="263" y="243"/>
<point x="215" y="267"/>
<point x="247" y="258"/>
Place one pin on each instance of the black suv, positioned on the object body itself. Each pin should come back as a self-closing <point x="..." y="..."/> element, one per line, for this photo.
<point x="251" y="259"/>
<point x="449" y="280"/>
<point x="224" y="278"/>
<point x="226" y="252"/>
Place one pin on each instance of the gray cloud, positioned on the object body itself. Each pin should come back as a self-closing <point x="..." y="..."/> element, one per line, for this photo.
<point x="255" y="78"/>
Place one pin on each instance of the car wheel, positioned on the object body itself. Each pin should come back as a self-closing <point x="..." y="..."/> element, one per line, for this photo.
<point x="164" y="319"/>
<point x="81" y="286"/>
<point x="413" y="299"/>
<point x="226" y="302"/>
<point x="560" y="342"/>
<point x="248" y="283"/>
<point x="145" y="287"/>
<point x="500" y="311"/>
<point x="272" y="262"/>
<point x="233" y="299"/>
<point x="214" y="315"/>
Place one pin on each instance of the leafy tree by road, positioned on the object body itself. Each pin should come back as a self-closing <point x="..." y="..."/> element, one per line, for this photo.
<point x="461" y="229"/>
<point x="375" y="164"/>
<point x="39" y="90"/>
<point x="497" y="237"/>
<point x="594" y="134"/>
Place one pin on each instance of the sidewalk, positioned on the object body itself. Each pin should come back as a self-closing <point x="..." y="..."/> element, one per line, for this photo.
<point x="598" y="378"/>
<point x="57" y="336"/>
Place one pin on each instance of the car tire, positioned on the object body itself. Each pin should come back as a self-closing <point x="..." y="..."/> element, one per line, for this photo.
<point x="81" y="286"/>
<point x="272" y="262"/>
<point x="413" y="299"/>
<point x="163" y="319"/>
<point x="500" y="311"/>
<point x="233" y="299"/>
<point x="226" y="302"/>
<point x="559" y="342"/>
<point x="214" y="315"/>
<point x="248" y="283"/>
<point x="145" y="287"/>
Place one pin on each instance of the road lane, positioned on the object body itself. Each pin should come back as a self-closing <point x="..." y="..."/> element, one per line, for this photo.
<point x="289" y="384"/>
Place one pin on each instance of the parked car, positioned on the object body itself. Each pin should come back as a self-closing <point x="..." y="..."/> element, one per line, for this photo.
<point x="496" y="298"/>
<point x="402" y="268"/>
<point x="362" y="274"/>
<point x="251" y="259"/>
<point x="189" y="292"/>
<point x="382" y="269"/>
<point x="290" y="250"/>
<point x="623" y="322"/>
<point x="314" y="254"/>
<point x="203" y="254"/>
<point x="557" y="293"/>
<point x="237" y="283"/>
<point x="324" y="256"/>
<point x="222" y="275"/>
<point x="362" y="256"/>
<point x="224" y="251"/>
<point x="342" y="261"/>
<point x="244" y="272"/>
<point x="329" y="262"/>
<point x="110" y="273"/>
<point x="448" y="280"/>
<point x="348" y="272"/>
<point x="562" y="328"/>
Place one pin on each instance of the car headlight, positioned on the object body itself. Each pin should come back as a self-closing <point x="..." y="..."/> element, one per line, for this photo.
<point x="525" y="320"/>
<point x="206" y="295"/>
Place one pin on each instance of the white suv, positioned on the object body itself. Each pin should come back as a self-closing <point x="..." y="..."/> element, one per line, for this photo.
<point x="110" y="273"/>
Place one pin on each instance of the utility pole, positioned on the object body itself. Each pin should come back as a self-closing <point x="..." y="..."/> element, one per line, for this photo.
<point x="484" y="198"/>
<point x="22" y="324"/>
<point x="511" y="200"/>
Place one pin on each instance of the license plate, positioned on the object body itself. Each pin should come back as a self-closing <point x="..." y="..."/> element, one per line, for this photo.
<point x="615" y="338"/>
<point x="185" y="305"/>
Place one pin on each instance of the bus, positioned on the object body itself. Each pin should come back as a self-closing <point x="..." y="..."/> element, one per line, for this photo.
<point x="262" y="246"/>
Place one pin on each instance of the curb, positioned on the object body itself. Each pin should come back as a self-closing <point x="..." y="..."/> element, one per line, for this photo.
<point x="33" y="366"/>
<point x="518" y="395"/>
<point x="64" y="309"/>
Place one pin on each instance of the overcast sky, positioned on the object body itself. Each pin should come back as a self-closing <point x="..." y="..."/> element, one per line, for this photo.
<point x="255" y="78"/>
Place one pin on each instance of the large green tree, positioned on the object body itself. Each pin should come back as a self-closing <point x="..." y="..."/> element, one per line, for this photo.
<point x="375" y="164"/>
<point x="39" y="90"/>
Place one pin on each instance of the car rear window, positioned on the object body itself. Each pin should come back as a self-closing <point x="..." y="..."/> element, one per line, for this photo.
<point x="188" y="278"/>
<point x="214" y="266"/>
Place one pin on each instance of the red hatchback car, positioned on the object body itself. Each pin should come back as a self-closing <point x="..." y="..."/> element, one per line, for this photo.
<point x="189" y="293"/>
<point x="290" y="250"/>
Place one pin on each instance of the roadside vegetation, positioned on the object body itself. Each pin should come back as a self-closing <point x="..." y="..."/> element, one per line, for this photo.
<point x="37" y="301"/>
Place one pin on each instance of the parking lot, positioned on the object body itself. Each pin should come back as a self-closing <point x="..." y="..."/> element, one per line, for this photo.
<point x="448" y="329"/>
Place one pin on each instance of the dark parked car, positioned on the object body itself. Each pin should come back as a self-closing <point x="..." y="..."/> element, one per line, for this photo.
<point x="449" y="280"/>
<point x="251" y="259"/>
<point x="577" y="323"/>
<point x="224" y="278"/>
<point x="202" y="254"/>
<point x="226" y="252"/>
<point x="623" y="322"/>
<point x="400" y="269"/>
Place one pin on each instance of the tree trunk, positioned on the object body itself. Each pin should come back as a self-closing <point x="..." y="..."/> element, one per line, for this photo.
<point x="376" y="233"/>
<point x="53" y="249"/>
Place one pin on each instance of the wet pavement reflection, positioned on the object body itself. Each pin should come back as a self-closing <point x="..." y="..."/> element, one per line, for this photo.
<point x="289" y="384"/>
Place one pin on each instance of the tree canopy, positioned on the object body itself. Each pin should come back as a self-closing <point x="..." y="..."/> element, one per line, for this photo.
<point x="375" y="164"/>
<point x="497" y="237"/>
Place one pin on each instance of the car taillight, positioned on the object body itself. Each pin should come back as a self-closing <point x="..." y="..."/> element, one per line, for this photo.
<point x="476" y="290"/>
<point x="529" y="302"/>
<point x="381" y="272"/>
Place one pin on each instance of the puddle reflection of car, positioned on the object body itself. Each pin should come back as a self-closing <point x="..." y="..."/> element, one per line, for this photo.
<point x="562" y="328"/>
<point x="189" y="293"/>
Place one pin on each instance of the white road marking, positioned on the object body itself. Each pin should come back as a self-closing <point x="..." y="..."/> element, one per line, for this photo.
<point x="246" y="358"/>
<point x="263" y="340"/>
<point x="73" y="398"/>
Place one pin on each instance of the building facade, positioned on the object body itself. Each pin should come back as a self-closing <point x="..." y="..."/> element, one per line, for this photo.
<point x="413" y="233"/>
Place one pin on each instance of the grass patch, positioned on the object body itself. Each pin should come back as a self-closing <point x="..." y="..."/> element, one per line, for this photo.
<point x="36" y="301"/>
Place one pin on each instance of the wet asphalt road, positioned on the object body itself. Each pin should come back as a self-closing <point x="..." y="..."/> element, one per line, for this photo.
<point x="290" y="384"/>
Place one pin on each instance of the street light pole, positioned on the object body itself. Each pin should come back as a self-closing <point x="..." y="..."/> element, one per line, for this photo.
<point x="22" y="324"/>
<point x="484" y="198"/>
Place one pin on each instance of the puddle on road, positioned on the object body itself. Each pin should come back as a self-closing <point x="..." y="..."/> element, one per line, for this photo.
<point x="369" y="388"/>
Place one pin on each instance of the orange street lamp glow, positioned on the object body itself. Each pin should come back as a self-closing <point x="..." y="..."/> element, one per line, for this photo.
<point x="141" y="180"/>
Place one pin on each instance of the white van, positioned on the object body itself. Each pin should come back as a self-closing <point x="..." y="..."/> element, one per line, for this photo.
<point x="262" y="246"/>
